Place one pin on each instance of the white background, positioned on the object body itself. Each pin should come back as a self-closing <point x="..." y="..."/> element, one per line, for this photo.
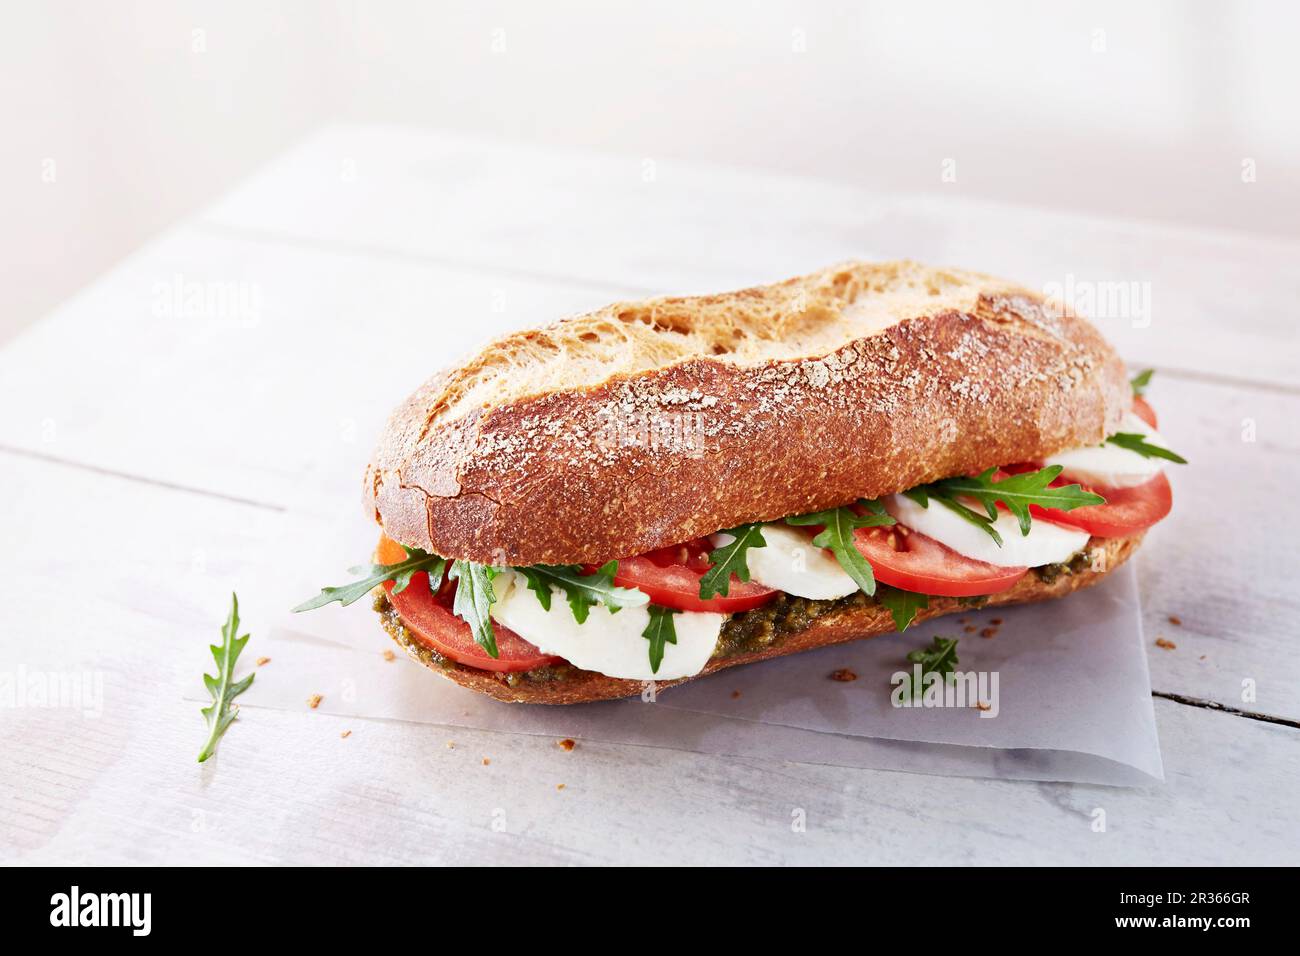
<point x="121" y="118"/>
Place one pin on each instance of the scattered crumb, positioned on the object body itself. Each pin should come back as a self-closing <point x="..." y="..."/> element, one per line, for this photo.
<point x="1202" y="657"/>
<point x="389" y="655"/>
<point x="989" y="632"/>
<point x="970" y="629"/>
<point x="982" y="705"/>
<point x="735" y="695"/>
<point x="314" y="701"/>
<point x="486" y="761"/>
<point x="1167" y="645"/>
<point x="451" y="745"/>
<point x="962" y="620"/>
<point x="843" y="674"/>
<point x="568" y="743"/>
<point x="263" y="660"/>
<point x="559" y="786"/>
<point x="346" y="734"/>
<point x="1175" y="620"/>
<point x="996" y="622"/>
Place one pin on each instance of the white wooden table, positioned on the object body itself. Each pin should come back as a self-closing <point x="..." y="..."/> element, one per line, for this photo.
<point x="152" y="433"/>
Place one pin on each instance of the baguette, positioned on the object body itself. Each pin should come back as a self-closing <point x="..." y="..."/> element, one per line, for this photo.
<point x="646" y="424"/>
<point x="854" y="621"/>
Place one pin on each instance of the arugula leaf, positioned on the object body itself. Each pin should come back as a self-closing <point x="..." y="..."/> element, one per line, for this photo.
<point x="939" y="658"/>
<point x="731" y="559"/>
<point x="376" y="574"/>
<point x="224" y="688"/>
<point x="658" y="632"/>
<point x="1141" y="380"/>
<point x="837" y="535"/>
<point x="903" y="605"/>
<point x="921" y="496"/>
<point x="582" y="590"/>
<point x="474" y="600"/>
<point x="1136" y="441"/>
<point x="1017" y="492"/>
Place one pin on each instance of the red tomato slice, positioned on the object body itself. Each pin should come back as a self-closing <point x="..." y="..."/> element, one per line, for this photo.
<point x="429" y="618"/>
<point x="1126" y="511"/>
<point x="906" y="559"/>
<point x="1144" y="411"/>
<point x="671" y="576"/>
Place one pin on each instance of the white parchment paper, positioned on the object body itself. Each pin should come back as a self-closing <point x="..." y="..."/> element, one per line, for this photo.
<point x="1073" y="695"/>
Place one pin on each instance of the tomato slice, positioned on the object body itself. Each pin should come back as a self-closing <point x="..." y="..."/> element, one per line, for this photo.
<point x="906" y="559"/>
<point x="430" y="621"/>
<point x="1144" y="411"/>
<point x="671" y="576"/>
<point x="1126" y="511"/>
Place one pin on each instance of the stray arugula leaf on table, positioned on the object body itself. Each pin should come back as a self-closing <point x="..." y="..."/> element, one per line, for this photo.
<point x="1141" y="380"/>
<point x="939" y="658"/>
<point x="223" y="687"/>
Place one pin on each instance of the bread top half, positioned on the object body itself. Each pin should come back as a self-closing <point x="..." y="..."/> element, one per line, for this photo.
<point x="646" y="424"/>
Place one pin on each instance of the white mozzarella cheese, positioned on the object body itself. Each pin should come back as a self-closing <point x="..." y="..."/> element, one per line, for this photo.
<point x="1046" y="543"/>
<point x="1109" y="466"/>
<point x="609" y="644"/>
<point x="791" y="563"/>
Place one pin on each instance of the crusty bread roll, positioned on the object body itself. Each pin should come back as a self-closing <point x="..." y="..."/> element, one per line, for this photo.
<point x="860" y="619"/>
<point x="650" y="423"/>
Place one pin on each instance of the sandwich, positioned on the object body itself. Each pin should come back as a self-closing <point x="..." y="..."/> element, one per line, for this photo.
<point x="659" y="490"/>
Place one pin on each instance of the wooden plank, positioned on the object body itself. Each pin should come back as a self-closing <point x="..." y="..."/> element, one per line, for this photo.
<point x="1224" y="561"/>
<point x="235" y="366"/>
<point x="1216" y="303"/>
<point x="130" y="581"/>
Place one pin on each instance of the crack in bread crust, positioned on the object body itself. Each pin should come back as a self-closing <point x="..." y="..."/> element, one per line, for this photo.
<point x="852" y="382"/>
<point x="569" y="685"/>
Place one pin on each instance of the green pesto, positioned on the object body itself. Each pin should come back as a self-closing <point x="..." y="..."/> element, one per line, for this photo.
<point x="1049" y="573"/>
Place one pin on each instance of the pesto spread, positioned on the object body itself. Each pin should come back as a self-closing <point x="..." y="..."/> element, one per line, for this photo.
<point x="1049" y="573"/>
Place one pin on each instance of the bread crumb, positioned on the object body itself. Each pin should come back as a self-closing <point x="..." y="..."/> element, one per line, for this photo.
<point x="996" y="622"/>
<point x="1167" y="645"/>
<point x="735" y="695"/>
<point x="486" y="761"/>
<point x="568" y="743"/>
<point x="970" y="628"/>
<point x="389" y="655"/>
<point x="1201" y="658"/>
<point x="982" y="705"/>
<point x="451" y="745"/>
<point x="1175" y="620"/>
<point x="843" y="674"/>
<point x="346" y="734"/>
<point x="989" y="632"/>
<point x="559" y="786"/>
<point x="263" y="660"/>
<point x="314" y="701"/>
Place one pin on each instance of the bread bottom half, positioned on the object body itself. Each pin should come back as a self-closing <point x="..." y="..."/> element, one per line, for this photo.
<point x="569" y="685"/>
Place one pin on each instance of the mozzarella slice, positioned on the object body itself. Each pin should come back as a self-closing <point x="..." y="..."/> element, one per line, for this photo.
<point x="1046" y="543"/>
<point x="609" y="644"/>
<point x="1109" y="466"/>
<point x="791" y="563"/>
